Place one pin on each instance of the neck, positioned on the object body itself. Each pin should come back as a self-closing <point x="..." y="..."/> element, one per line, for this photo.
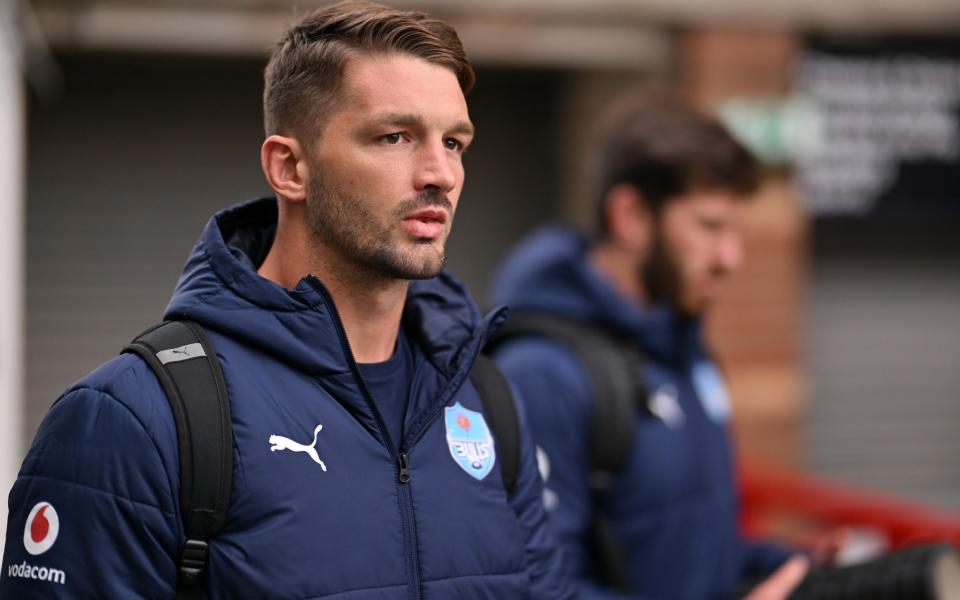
<point x="370" y="305"/>
<point x="370" y="314"/>
<point x="621" y="268"/>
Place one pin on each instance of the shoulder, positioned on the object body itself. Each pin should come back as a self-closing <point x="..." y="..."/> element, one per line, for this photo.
<point x="105" y="461"/>
<point x="113" y="430"/>
<point x="124" y="384"/>
<point x="540" y="356"/>
<point x="547" y="373"/>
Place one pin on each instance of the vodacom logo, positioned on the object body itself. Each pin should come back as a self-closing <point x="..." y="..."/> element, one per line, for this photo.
<point x="43" y="526"/>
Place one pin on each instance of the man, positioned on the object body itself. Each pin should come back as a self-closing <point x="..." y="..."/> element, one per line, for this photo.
<point x="345" y="379"/>
<point x="671" y="185"/>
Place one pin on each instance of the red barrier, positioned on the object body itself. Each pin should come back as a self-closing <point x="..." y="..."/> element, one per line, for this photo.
<point x="774" y="495"/>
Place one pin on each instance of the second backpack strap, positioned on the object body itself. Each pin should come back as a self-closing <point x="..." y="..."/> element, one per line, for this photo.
<point x="501" y="412"/>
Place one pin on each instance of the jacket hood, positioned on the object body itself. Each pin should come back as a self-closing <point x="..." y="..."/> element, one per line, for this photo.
<point x="549" y="273"/>
<point x="220" y="289"/>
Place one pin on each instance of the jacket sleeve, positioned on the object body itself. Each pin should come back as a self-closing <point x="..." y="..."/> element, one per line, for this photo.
<point x="92" y="513"/>
<point x="555" y="394"/>
<point x="549" y="577"/>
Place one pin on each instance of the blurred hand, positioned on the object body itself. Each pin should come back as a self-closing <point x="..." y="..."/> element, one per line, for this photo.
<point x="783" y="581"/>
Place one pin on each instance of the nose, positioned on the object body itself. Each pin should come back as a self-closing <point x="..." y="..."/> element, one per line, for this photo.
<point x="435" y="168"/>
<point x="730" y="255"/>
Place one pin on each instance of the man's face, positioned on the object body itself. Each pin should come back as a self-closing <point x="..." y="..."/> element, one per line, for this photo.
<point x="699" y="243"/>
<point x="387" y="171"/>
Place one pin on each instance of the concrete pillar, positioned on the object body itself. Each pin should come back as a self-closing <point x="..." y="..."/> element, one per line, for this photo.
<point x="12" y="227"/>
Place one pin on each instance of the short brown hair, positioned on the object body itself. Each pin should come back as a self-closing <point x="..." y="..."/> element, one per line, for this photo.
<point x="305" y="71"/>
<point x="666" y="148"/>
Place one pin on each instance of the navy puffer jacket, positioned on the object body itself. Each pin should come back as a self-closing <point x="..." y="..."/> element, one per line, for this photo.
<point x="101" y="479"/>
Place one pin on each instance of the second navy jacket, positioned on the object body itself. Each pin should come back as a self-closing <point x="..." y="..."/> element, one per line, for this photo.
<point x="673" y="507"/>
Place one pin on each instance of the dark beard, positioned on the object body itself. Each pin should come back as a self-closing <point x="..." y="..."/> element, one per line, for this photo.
<point x="340" y="221"/>
<point x="661" y="276"/>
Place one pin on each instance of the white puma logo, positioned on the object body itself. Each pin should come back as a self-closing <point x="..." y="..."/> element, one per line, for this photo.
<point x="278" y="442"/>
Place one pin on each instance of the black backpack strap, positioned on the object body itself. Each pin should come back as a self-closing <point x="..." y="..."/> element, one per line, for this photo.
<point x="186" y="364"/>
<point x="501" y="414"/>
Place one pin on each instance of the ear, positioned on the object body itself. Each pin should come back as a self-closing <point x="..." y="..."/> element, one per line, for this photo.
<point x="629" y="219"/>
<point x="285" y="167"/>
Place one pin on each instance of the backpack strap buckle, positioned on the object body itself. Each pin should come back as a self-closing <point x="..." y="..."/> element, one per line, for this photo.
<point x="193" y="560"/>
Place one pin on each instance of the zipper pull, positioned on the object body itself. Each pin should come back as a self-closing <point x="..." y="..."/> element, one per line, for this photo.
<point x="404" y="475"/>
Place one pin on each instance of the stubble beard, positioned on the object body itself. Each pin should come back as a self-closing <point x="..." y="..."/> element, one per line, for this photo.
<point x="342" y="222"/>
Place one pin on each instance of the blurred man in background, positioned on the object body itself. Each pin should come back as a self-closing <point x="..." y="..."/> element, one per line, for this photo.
<point x="604" y="344"/>
<point x="347" y="381"/>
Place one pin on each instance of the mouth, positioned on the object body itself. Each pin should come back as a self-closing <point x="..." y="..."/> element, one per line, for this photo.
<point x="426" y="224"/>
<point x="429" y="215"/>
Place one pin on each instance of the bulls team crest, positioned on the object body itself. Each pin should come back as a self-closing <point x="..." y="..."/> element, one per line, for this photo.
<point x="470" y="441"/>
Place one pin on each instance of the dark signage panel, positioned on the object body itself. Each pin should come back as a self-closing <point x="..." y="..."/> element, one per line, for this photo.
<point x="887" y="130"/>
